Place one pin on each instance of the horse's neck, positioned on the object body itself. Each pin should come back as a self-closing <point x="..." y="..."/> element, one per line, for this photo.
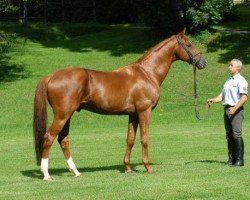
<point x="157" y="61"/>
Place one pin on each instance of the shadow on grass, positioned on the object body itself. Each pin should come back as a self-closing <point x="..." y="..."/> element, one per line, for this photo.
<point x="234" y="43"/>
<point x="118" y="40"/>
<point x="207" y="161"/>
<point x="60" y="171"/>
<point x="10" y="72"/>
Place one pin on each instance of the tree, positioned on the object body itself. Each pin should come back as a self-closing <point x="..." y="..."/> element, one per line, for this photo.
<point x="45" y="10"/>
<point x="172" y="15"/>
<point x="25" y="11"/>
<point x="22" y="11"/>
<point x="7" y="6"/>
<point x="5" y="39"/>
<point x="208" y="13"/>
<point x="166" y="15"/>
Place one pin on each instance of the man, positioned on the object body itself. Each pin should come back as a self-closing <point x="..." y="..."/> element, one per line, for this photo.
<point x="233" y="95"/>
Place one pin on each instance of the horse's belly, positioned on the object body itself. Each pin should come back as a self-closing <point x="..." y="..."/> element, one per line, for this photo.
<point x="108" y="108"/>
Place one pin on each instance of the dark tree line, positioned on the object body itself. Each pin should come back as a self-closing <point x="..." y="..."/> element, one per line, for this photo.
<point x="164" y="14"/>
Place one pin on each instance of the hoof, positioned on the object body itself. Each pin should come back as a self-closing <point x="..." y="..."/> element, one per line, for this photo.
<point x="78" y="174"/>
<point x="128" y="171"/>
<point x="47" y="178"/>
<point x="75" y="172"/>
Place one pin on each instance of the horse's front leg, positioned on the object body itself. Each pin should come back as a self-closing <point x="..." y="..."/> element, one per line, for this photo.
<point x="144" y="119"/>
<point x="132" y="128"/>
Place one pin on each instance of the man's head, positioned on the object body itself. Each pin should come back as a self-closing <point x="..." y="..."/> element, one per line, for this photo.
<point x="235" y="66"/>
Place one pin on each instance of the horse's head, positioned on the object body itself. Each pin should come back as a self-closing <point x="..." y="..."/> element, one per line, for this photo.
<point x="187" y="52"/>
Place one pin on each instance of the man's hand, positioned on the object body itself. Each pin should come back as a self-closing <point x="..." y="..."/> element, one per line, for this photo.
<point x="232" y="110"/>
<point x="210" y="102"/>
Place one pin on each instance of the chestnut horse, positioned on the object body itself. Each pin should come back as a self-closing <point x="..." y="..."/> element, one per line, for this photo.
<point x="133" y="90"/>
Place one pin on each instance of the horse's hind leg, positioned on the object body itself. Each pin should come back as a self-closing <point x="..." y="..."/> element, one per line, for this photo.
<point x="49" y="138"/>
<point x="63" y="140"/>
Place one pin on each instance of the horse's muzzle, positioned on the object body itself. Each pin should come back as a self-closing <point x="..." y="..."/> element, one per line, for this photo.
<point x="201" y="63"/>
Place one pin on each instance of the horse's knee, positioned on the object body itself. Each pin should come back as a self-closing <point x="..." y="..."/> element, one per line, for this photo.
<point x="48" y="139"/>
<point x="64" y="143"/>
<point x="130" y="142"/>
<point x="144" y="143"/>
<point x="126" y="162"/>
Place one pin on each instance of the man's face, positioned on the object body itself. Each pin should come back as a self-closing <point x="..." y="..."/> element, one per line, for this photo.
<point x="233" y="68"/>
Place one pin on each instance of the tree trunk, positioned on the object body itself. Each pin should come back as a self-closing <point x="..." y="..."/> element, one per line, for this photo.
<point x="94" y="11"/>
<point x="45" y="10"/>
<point x="63" y="11"/>
<point x="25" y="12"/>
<point x="20" y="16"/>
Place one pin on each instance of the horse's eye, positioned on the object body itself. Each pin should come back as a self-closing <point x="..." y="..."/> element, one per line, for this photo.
<point x="189" y="45"/>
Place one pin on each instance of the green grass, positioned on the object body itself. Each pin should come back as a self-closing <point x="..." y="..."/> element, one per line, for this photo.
<point x="188" y="156"/>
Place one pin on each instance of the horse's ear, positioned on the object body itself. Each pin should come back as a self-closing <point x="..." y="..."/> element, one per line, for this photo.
<point x="182" y="33"/>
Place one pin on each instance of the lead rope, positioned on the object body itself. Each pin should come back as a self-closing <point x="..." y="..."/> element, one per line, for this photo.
<point x="197" y="114"/>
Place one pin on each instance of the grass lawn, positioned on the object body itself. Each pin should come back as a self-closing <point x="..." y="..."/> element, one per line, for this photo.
<point x="188" y="156"/>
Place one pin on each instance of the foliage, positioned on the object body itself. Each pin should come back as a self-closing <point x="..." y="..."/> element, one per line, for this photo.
<point x="119" y="11"/>
<point x="7" y="41"/>
<point x="162" y="14"/>
<point x="208" y="13"/>
<point x="169" y="15"/>
<point x="4" y="43"/>
<point x="166" y="15"/>
<point x="7" y="6"/>
<point x="75" y="11"/>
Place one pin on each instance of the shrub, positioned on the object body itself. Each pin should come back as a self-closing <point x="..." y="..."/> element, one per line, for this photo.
<point x="208" y="13"/>
<point x="6" y="41"/>
<point x="171" y="16"/>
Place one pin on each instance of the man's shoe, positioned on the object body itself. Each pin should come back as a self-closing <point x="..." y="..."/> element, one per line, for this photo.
<point x="230" y="161"/>
<point x="239" y="144"/>
<point x="238" y="163"/>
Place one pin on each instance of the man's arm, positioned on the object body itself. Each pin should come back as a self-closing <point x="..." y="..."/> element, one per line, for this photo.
<point x="214" y="100"/>
<point x="243" y="99"/>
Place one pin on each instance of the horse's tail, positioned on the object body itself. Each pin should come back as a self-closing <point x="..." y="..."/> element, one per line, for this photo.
<point x="40" y="117"/>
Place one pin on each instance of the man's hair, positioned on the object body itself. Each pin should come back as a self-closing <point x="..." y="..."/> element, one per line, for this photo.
<point x="238" y="62"/>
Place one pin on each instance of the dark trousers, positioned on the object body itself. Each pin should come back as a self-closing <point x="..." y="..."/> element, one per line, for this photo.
<point x="233" y="126"/>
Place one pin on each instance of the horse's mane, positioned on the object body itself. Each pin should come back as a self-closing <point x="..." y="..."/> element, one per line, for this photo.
<point x="154" y="49"/>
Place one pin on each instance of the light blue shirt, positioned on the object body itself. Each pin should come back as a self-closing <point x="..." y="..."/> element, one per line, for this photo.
<point x="233" y="88"/>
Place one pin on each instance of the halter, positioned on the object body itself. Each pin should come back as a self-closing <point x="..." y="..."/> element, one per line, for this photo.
<point x="193" y="62"/>
<point x="191" y="56"/>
